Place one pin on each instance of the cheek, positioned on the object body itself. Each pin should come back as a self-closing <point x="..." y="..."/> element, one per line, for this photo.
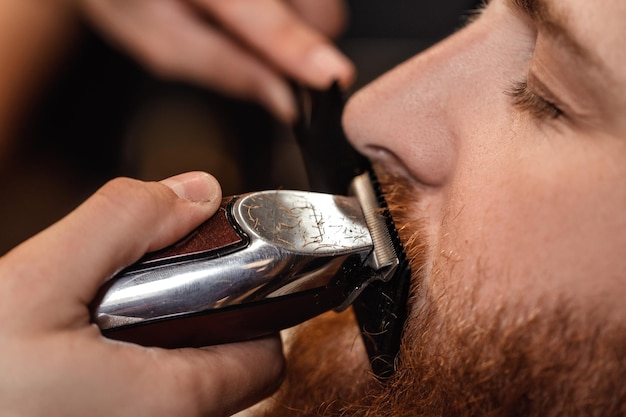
<point x="540" y="219"/>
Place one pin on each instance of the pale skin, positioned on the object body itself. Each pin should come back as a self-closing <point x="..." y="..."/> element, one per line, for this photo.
<point x="246" y="49"/>
<point x="510" y="137"/>
<point x="524" y="202"/>
<point x="55" y="363"/>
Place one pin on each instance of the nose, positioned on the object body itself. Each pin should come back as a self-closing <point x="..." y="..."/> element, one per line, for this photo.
<point x="419" y="117"/>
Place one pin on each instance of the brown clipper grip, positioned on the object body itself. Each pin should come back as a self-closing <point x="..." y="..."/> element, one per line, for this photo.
<point x="216" y="236"/>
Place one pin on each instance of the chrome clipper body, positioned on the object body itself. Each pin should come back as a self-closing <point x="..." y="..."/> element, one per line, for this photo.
<point x="267" y="261"/>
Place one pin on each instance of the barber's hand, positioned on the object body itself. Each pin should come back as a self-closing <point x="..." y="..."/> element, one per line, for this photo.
<point x="53" y="362"/>
<point x="244" y="48"/>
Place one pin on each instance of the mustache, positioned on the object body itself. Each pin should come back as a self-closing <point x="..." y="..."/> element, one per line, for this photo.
<point x="402" y="201"/>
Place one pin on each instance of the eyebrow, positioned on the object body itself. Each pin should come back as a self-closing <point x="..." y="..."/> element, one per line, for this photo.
<point x="554" y="23"/>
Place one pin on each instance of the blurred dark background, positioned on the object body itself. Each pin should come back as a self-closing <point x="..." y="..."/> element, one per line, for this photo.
<point x="100" y="115"/>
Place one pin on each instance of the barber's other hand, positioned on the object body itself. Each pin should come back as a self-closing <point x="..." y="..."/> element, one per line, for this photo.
<point x="244" y="48"/>
<point x="53" y="362"/>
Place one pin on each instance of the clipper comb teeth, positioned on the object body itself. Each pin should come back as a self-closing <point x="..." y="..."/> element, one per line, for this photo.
<point x="381" y="309"/>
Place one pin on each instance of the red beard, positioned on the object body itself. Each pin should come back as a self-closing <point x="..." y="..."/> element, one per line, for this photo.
<point x="455" y="360"/>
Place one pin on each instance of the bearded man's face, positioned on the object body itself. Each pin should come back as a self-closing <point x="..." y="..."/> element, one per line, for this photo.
<point x="502" y="154"/>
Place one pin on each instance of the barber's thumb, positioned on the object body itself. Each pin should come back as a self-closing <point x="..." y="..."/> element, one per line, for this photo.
<point x="195" y="186"/>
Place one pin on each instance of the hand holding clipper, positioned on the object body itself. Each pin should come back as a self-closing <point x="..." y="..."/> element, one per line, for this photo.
<point x="266" y="261"/>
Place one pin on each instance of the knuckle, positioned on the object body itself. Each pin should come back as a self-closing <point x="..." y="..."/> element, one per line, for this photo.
<point x="126" y="196"/>
<point x="120" y="186"/>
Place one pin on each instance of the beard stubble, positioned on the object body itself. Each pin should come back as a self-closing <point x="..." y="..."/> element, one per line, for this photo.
<point x="455" y="359"/>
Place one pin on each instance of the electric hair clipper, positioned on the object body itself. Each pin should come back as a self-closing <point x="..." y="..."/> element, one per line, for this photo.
<point x="272" y="259"/>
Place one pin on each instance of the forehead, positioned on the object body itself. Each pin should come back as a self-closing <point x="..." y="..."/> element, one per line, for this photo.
<point x="598" y="27"/>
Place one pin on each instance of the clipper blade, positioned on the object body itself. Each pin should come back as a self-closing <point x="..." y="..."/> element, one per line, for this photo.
<point x="381" y="309"/>
<point x="385" y="255"/>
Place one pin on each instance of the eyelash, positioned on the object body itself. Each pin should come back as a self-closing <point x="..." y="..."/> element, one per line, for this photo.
<point x="525" y="99"/>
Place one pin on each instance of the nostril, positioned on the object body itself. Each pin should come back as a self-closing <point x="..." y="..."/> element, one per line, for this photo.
<point x="392" y="163"/>
<point x="427" y="165"/>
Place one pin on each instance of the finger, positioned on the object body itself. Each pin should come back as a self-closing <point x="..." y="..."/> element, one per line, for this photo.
<point x="113" y="228"/>
<point x="274" y="31"/>
<point x="197" y="52"/>
<point x="217" y="380"/>
<point x="241" y="374"/>
<point x="176" y="43"/>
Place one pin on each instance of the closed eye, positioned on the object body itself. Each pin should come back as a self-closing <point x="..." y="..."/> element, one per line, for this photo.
<point x="527" y="100"/>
